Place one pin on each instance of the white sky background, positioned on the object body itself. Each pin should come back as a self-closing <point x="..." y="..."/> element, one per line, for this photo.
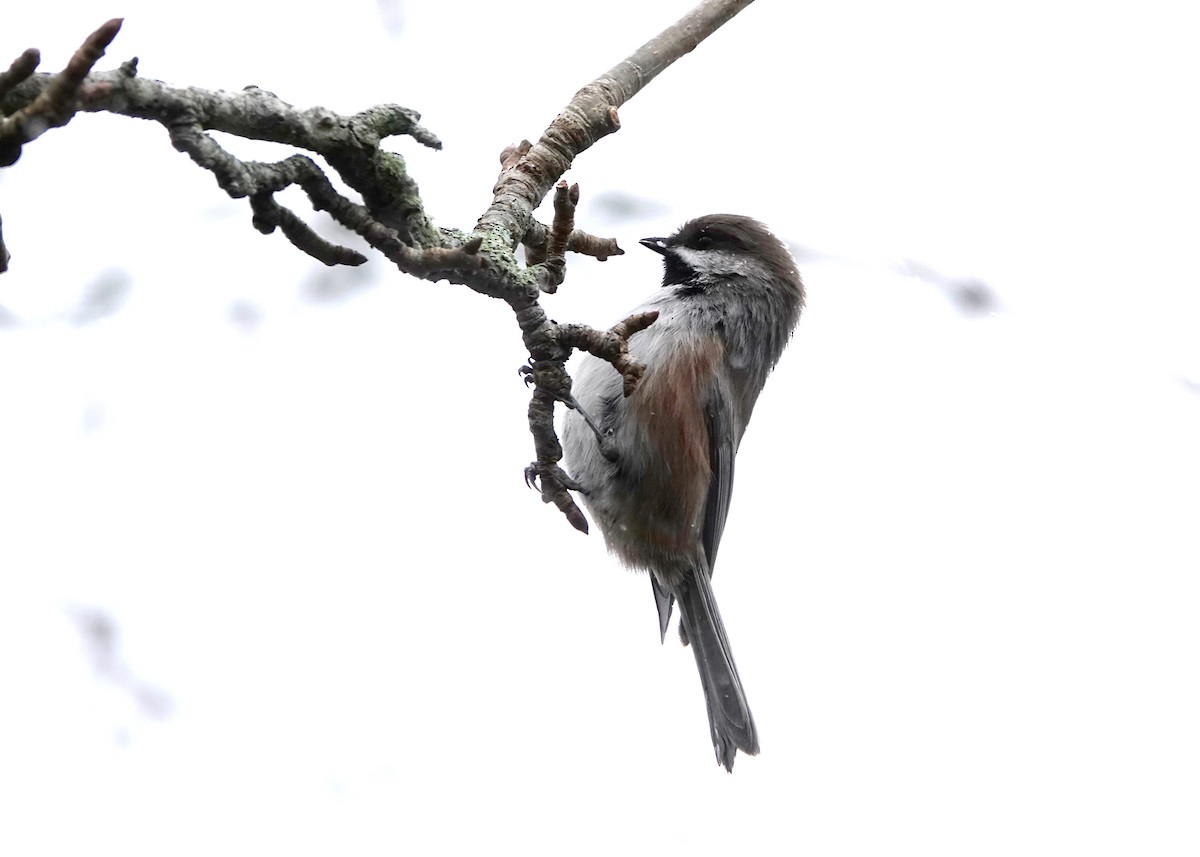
<point x="960" y="571"/>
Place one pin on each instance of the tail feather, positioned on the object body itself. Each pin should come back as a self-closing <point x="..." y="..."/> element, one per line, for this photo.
<point x="729" y="718"/>
<point x="664" y="601"/>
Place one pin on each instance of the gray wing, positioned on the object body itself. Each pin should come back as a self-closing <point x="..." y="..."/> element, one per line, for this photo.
<point x="722" y="449"/>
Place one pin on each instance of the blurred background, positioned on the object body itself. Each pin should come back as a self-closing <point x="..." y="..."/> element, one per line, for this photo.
<point x="269" y="575"/>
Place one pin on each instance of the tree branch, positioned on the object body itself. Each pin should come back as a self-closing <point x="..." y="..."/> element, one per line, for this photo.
<point x="592" y="115"/>
<point x="391" y="217"/>
<point x="537" y="241"/>
<point x="58" y="101"/>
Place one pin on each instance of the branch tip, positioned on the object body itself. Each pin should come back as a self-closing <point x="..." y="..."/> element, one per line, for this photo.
<point x="512" y="154"/>
<point x="576" y="518"/>
<point x="58" y="101"/>
<point x="107" y="31"/>
<point x="635" y="323"/>
<point x="20" y="70"/>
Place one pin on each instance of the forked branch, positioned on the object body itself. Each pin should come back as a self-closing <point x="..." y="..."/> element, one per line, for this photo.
<point x="391" y="216"/>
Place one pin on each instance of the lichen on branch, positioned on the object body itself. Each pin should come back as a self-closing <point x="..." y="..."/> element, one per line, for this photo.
<point x="390" y="214"/>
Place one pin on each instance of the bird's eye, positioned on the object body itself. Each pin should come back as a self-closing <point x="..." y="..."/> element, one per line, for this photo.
<point x="703" y="242"/>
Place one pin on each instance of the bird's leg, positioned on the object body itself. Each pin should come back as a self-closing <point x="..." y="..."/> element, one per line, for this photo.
<point x="603" y="438"/>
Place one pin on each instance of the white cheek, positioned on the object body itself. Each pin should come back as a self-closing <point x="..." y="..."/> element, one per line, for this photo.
<point x="712" y="263"/>
<point x="694" y="259"/>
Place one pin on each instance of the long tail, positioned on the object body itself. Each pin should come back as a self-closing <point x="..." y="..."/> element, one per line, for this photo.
<point x="729" y="717"/>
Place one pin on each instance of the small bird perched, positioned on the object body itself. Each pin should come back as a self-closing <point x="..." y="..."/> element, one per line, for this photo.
<point x="656" y="469"/>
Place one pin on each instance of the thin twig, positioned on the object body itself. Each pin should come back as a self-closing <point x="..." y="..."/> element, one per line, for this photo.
<point x="583" y="243"/>
<point x="58" y="102"/>
<point x="22" y="67"/>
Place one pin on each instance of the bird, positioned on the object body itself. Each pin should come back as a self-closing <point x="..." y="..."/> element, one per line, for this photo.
<point x="655" y="469"/>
